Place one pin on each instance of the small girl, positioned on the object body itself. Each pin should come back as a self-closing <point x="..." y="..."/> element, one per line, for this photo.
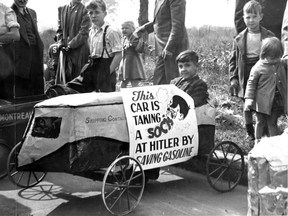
<point x="266" y="87"/>
<point x="131" y="66"/>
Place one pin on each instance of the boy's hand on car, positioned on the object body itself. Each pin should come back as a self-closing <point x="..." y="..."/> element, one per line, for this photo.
<point x="248" y="104"/>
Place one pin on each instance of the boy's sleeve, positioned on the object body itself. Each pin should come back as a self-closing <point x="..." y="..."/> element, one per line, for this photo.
<point x="233" y="69"/>
<point x="113" y="40"/>
<point x="199" y="93"/>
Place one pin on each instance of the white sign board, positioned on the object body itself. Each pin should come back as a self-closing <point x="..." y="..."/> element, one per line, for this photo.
<point x="162" y="125"/>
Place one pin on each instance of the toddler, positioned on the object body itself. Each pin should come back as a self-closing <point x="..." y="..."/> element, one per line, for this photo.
<point x="131" y="69"/>
<point x="266" y="91"/>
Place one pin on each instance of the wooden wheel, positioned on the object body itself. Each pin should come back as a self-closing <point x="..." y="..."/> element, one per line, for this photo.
<point x="123" y="185"/>
<point x="24" y="179"/>
<point x="4" y="153"/>
<point x="225" y="166"/>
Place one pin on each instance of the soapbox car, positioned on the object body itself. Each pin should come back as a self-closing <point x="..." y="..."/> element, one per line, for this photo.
<point x="118" y="138"/>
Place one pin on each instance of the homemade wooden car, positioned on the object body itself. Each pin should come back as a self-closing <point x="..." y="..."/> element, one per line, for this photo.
<point x="118" y="138"/>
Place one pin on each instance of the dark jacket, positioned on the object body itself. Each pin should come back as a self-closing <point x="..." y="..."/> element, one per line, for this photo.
<point x="169" y="26"/>
<point x="74" y="32"/>
<point x="237" y="65"/>
<point x="23" y="50"/>
<point x="195" y="87"/>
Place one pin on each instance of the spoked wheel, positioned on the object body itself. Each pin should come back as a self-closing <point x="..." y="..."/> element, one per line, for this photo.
<point x="4" y="153"/>
<point x="24" y="179"/>
<point x="225" y="166"/>
<point x="123" y="185"/>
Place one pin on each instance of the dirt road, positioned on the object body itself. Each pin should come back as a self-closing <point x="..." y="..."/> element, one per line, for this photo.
<point x="176" y="192"/>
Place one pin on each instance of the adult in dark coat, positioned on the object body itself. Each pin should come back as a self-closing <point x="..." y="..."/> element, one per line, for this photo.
<point x="273" y="11"/>
<point x="29" y="78"/>
<point x="9" y="32"/>
<point x="170" y="38"/>
<point x="72" y="33"/>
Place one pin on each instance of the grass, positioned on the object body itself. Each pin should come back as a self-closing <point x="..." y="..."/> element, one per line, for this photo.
<point x="214" y="44"/>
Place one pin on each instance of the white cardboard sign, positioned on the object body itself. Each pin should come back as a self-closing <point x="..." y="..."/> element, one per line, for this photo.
<point x="162" y="125"/>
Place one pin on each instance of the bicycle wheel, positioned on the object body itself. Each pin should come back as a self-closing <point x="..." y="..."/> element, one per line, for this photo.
<point x="123" y="185"/>
<point x="24" y="179"/>
<point x="225" y="166"/>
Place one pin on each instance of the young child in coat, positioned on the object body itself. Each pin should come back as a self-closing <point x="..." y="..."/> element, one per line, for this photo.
<point x="245" y="53"/>
<point x="266" y="91"/>
<point x="131" y="66"/>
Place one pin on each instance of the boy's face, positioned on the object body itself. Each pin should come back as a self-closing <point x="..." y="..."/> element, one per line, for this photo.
<point x="252" y="21"/>
<point x="187" y="69"/>
<point x="97" y="16"/>
<point x="126" y="30"/>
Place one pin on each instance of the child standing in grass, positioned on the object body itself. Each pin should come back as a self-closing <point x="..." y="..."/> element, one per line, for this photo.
<point x="266" y="91"/>
<point x="131" y="69"/>
<point x="245" y="53"/>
